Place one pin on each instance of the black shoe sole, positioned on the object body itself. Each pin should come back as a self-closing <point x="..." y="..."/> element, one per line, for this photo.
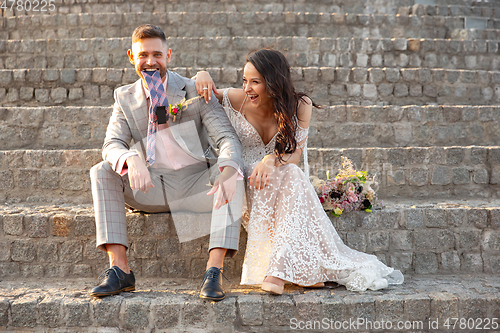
<point x="113" y="292"/>
<point x="213" y="298"/>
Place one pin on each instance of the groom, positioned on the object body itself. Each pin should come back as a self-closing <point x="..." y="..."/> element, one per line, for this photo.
<point x="168" y="167"/>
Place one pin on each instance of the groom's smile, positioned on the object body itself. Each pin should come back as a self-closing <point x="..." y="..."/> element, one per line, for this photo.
<point x="150" y="54"/>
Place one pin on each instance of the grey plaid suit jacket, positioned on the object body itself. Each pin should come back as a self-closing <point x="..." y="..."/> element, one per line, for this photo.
<point x="198" y="129"/>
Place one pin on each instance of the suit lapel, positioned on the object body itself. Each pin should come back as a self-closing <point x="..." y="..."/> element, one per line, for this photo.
<point x="175" y="93"/>
<point x="139" y="107"/>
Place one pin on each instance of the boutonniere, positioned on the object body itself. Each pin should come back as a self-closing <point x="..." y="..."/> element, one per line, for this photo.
<point x="175" y="110"/>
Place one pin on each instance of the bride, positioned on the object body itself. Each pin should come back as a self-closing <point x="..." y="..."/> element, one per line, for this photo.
<point x="290" y="237"/>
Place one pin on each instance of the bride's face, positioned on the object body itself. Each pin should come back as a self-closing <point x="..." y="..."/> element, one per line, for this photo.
<point x="254" y="86"/>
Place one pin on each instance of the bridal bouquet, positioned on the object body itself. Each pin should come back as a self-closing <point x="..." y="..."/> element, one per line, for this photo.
<point x="350" y="190"/>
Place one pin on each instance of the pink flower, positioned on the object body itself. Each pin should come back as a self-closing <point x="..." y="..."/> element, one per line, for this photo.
<point x="175" y="110"/>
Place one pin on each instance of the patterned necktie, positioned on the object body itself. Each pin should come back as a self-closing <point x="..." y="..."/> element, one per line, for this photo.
<point x="158" y="98"/>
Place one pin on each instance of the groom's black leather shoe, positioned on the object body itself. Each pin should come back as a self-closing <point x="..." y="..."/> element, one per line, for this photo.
<point x="211" y="287"/>
<point x="114" y="281"/>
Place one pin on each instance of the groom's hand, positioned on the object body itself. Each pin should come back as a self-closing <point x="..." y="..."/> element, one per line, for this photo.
<point x="205" y="85"/>
<point x="138" y="174"/>
<point x="226" y="184"/>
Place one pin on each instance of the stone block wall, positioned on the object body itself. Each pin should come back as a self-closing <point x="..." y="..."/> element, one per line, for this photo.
<point x="263" y="24"/>
<point x="425" y="173"/>
<point x="326" y="85"/>
<point x="231" y="52"/>
<point x="70" y="127"/>
<point x="62" y="176"/>
<point x="59" y="242"/>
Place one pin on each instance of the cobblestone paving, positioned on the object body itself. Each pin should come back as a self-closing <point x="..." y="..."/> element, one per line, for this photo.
<point x="168" y="305"/>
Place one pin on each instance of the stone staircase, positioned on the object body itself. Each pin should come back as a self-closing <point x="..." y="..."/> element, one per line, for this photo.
<point x="412" y="94"/>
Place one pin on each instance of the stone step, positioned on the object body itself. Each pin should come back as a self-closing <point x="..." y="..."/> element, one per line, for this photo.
<point x="62" y="176"/>
<point x="161" y="305"/>
<point x="416" y="236"/>
<point x="475" y="34"/>
<point x="262" y="24"/>
<point x="469" y="3"/>
<point x="326" y="85"/>
<point x="340" y="126"/>
<point x="300" y="51"/>
<point x="327" y="6"/>
<point x="452" y="10"/>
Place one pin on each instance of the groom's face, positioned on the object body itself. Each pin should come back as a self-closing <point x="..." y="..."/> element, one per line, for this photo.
<point x="150" y="53"/>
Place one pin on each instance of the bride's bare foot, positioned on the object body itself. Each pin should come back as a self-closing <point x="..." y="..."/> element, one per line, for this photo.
<point x="273" y="285"/>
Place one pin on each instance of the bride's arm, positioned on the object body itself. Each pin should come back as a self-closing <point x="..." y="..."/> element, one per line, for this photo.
<point x="260" y="176"/>
<point x="304" y="113"/>
<point x="205" y="86"/>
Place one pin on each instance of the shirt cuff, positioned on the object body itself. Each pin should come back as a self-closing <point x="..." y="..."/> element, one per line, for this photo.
<point x="121" y="162"/>
<point x="234" y="165"/>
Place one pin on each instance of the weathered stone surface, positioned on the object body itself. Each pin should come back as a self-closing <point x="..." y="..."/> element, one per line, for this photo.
<point x="135" y="224"/>
<point x="425" y="263"/>
<point x="195" y="314"/>
<point x="49" y="311"/>
<point x="414" y="218"/>
<point x="61" y="224"/>
<point x="478" y="218"/>
<point x="71" y="251"/>
<point x="13" y="224"/>
<point x="46" y="252"/>
<point x="361" y="306"/>
<point x="4" y="251"/>
<point x="418" y="176"/>
<point x="37" y="225"/>
<point x="389" y="308"/>
<point x="225" y="311"/>
<point x="107" y="311"/>
<point x="472" y="262"/>
<point x="450" y="261"/>
<point x="278" y="311"/>
<point x="167" y="311"/>
<point x="251" y="310"/>
<point x="401" y="240"/>
<point x="441" y="176"/>
<point x="436" y="218"/>
<point x="443" y="305"/>
<point x="22" y="311"/>
<point x="4" y="311"/>
<point x="23" y="250"/>
<point x="77" y="312"/>
<point x="308" y="306"/>
<point x="491" y="240"/>
<point x="378" y="241"/>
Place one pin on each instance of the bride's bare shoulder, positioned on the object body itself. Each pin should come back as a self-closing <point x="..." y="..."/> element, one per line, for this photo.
<point x="236" y="97"/>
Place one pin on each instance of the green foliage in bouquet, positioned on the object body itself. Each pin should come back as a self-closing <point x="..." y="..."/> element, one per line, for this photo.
<point x="350" y="190"/>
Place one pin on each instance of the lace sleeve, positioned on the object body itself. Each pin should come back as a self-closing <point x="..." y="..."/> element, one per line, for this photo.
<point x="301" y="137"/>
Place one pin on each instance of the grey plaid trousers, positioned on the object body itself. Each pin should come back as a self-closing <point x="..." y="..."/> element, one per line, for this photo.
<point x="174" y="191"/>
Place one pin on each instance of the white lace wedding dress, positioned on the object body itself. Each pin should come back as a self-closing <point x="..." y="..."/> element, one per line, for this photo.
<point x="289" y="234"/>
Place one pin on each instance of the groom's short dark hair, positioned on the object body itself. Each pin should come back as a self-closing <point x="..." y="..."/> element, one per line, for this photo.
<point x="148" y="31"/>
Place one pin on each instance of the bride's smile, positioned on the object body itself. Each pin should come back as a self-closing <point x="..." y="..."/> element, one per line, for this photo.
<point x="254" y="86"/>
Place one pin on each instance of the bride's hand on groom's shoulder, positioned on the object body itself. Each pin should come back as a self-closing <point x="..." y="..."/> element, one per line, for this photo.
<point x="205" y="85"/>
<point x="261" y="174"/>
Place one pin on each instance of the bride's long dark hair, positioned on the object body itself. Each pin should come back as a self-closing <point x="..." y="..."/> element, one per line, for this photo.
<point x="275" y="69"/>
